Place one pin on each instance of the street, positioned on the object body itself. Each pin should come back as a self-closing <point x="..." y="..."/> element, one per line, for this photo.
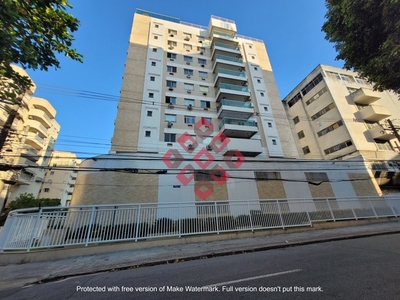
<point x="364" y="268"/>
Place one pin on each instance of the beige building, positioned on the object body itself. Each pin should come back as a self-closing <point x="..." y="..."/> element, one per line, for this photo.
<point x="29" y="143"/>
<point x="336" y="115"/>
<point x="200" y="118"/>
<point x="60" y="178"/>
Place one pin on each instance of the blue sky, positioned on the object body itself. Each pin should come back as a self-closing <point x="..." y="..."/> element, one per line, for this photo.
<point x="291" y="31"/>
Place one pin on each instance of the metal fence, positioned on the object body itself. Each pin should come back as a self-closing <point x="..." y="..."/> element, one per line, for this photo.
<point x="51" y="227"/>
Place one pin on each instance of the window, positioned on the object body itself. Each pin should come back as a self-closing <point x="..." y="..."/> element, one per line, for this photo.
<point x="153" y="64"/>
<point x="202" y="61"/>
<point x="203" y="74"/>
<point x="155" y="37"/>
<point x="190" y="119"/>
<point x="301" y="134"/>
<point x="296" y="120"/>
<point x="205" y="104"/>
<point x="265" y="108"/>
<point x="274" y="142"/>
<point x="258" y="80"/>
<point x="255" y="68"/>
<point x="152" y="78"/>
<point x="172" y="32"/>
<point x="171" y="100"/>
<point x="171" y="69"/>
<point x="306" y="150"/>
<point x="270" y="124"/>
<point x="316" y="176"/>
<point x="338" y="147"/>
<point x="189" y="102"/>
<point x="188" y="72"/>
<point x="172" y="44"/>
<point x="316" y="96"/>
<point x="51" y="172"/>
<point x="206" y="121"/>
<point x="203" y="89"/>
<point x="188" y="86"/>
<point x="171" y="55"/>
<point x="323" y="111"/>
<point x="151" y="95"/>
<point x="330" y="128"/>
<point x="294" y="100"/>
<point x="156" y="26"/>
<point x="267" y="175"/>
<point x="170" y="137"/>
<point x="187" y="47"/>
<point x="262" y="94"/>
<point x="46" y="190"/>
<point x="149" y="113"/>
<point x="171" y="84"/>
<point x="147" y="133"/>
<point x="170" y="118"/>
<point x="201" y="49"/>
<point x="312" y="84"/>
<point x="154" y="49"/>
<point x="188" y="59"/>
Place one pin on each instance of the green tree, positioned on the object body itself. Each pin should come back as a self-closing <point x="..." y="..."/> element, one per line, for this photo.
<point x="32" y="33"/>
<point x="28" y="200"/>
<point x="366" y="34"/>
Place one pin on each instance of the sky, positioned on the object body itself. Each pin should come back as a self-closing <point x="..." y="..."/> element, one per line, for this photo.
<point x="86" y="95"/>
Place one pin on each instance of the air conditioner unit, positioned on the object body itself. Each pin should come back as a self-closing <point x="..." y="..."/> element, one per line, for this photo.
<point x="201" y="52"/>
<point x="189" y="91"/>
<point x="202" y="78"/>
<point x="170" y="47"/>
<point x="171" y="89"/>
<point x="170" y="124"/>
<point x="171" y="59"/>
<point x="188" y="63"/>
<point x="187" y="76"/>
<point x="190" y="146"/>
<point x="171" y="35"/>
<point x="209" y="147"/>
<point x="190" y="107"/>
<point x="202" y="66"/>
<point x="170" y="105"/>
<point x="187" y="38"/>
<point x="171" y="73"/>
<point x="201" y="42"/>
<point x="204" y="94"/>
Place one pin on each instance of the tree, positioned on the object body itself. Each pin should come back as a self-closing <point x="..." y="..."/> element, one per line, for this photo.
<point x="32" y="32"/>
<point x="366" y="34"/>
<point x="28" y="200"/>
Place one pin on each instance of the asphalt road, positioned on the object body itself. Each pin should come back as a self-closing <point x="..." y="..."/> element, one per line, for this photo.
<point x="364" y="268"/>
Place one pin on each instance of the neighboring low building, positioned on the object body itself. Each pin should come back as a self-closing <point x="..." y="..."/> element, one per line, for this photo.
<point x="336" y="115"/>
<point x="60" y="178"/>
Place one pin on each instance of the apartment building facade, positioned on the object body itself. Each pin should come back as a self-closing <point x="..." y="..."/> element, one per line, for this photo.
<point x="60" y="177"/>
<point x="30" y="143"/>
<point x="200" y="118"/>
<point x="336" y="115"/>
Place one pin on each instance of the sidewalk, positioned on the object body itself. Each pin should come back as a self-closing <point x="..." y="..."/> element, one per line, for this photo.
<point x="16" y="275"/>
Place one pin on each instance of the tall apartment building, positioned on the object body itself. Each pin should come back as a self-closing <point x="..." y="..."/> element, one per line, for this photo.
<point x="336" y="114"/>
<point x="60" y="178"/>
<point x="200" y="118"/>
<point x="29" y="143"/>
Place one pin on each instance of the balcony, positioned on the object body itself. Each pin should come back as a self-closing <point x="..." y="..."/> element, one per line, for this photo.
<point x="224" y="37"/>
<point x="381" y="132"/>
<point x="31" y="154"/>
<point x="220" y="48"/>
<point x="238" y="128"/>
<point x="35" y="142"/>
<point x="38" y="126"/>
<point x="365" y="96"/>
<point x="40" y="116"/>
<point x="229" y="76"/>
<point x="234" y="109"/>
<point x="250" y="148"/>
<point x="374" y="113"/>
<point x="232" y="92"/>
<point x="226" y="62"/>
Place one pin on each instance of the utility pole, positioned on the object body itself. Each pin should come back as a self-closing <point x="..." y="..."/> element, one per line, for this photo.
<point x="8" y="124"/>
<point x="394" y="129"/>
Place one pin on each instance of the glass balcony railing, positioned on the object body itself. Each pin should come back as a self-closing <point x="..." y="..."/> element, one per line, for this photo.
<point x="230" y="72"/>
<point x="229" y="58"/>
<point x="234" y="103"/>
<point x="233" y="87"/>
<point x="223" y="35"/>
<point x="240" y="122"/>
<point x="222" y="45"/>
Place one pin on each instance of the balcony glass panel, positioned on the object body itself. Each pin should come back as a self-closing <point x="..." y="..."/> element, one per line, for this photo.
<point x="234" y="87"/>
<point x="240" y="122"/>
<point x="234" y="103"/>
<point x="223" y="35"/>
<point x="230" y="72"/>
<point x="222" y="45"/>
<point x="229" y="58"/>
